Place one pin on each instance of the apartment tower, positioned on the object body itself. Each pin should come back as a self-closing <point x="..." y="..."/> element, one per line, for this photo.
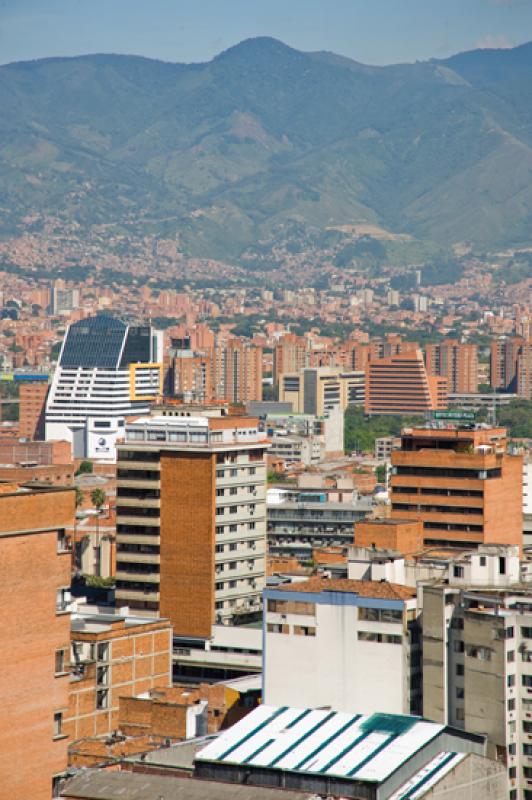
<point x="191" y="520"/>
<point x="399" y="384"/>
<point x="456" y="361"/>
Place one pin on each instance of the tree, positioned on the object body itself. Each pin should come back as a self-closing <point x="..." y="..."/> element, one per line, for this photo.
<point x="98" y="498"/>
<point x="79" y="503"/>
<point x="85" y="468"/>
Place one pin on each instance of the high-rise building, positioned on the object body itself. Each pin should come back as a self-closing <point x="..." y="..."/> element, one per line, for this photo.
<point x="320" y="626"/>
<point x="35" y="624"/>
<point x="399" y="384"/>
<point x="32" y="403"/>
<point x="191" y="519"/>
<point x="510" y="366"/>
<point x="392" y="345"/>
<point x="318" y="390"/>
<point x="456" y="361"/>
<point x="461" y="483"/>
<point x="238" y="371"/>
<point x="290" y="354"/>
<point x="106" y="372"/>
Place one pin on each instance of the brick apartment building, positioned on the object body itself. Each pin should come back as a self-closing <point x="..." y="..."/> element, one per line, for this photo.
<point x="35" y="622"/>
<point x="456" y="361"/>
<point x="461" y="483"/>
<point x="32" y="403"/>
<point x="113" y="656"/>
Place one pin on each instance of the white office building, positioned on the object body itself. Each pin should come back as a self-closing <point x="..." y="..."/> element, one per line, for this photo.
<point x="107" y="371"/>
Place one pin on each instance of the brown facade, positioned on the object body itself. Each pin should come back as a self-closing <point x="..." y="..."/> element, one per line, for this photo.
<point x="187" y="550"/>
<point x="399" y="384"/>
<point x="466" y="490"/>
<point x="403" y="536"/>
<point x="122" y="661"/>
<point x="32" y="400"/>
<point x="455" y="361"/>
<point x="33" y="684"/>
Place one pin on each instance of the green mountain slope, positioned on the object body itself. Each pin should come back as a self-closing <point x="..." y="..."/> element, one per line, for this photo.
<point x="264" y="139"/>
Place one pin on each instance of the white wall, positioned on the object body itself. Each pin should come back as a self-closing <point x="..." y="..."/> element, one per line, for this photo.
<point x="334" y="668"/>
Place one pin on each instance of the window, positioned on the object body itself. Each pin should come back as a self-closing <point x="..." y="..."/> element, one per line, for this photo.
<point x="527" y="749"/>
<point x="511" y="704"/>
<point x="220" y="492"/>
<point x="460" y="715"/>
<point x="526" y="633"/>
<point x="233" y="528"/>
<point x="102" y="699"/>
<point x="251" y="526"/>
<point x="233" y="546"/>
<point x="380" y="615"/>
<point x="273" y="627"/>
<point x="219" y="473"/>
<point x="102" y="676"/>
<point x="482" y="561"/>
<point x="510" y="681"/>
<point x="509" y="633"/>
<point x="304" y="630"/>
<point x="382" y="638"/>
<point x="458" y="646"/>
<point x="502" y="565"/>
<point x="233" y="490"/>
<point x="512" y="749"/>
<point x="459" y="669"/>
<point x="232" y="565"/>
<point x="459" y="693"/>
<point x="458" y="572"/>
<point x="59" y="661"/>
<point x="232" y="584"/>
<point x="61" y="599"/>
<point x="510" y="655"/>
<point x="481" y="653"/>
<point x="512" y="772"/>
<point x="58" y="723"/>
<point x="233" y="509"/>
<point x="526" y="680"/>
<point x="62" y="541"/>
<point x="102" y="651"/>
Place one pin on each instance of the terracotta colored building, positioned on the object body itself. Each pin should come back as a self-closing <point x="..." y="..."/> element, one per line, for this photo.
<point x="399" y="384"/>
<point x="290" y="354"/>
<point x="401" y="535"/>
<point x="461" y="483"/>
<point x="35" y="622"/>
<point x="32" y="402"/>
<point x="456" y="361"/>
<point x="191" y="519"/>
<point x="113" y="656"/>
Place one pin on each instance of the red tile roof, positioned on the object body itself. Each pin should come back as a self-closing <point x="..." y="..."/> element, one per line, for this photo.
<point x="380" y="589"/>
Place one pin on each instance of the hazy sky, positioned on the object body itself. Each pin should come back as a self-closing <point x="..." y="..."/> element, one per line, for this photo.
<point x="371" y="31"/>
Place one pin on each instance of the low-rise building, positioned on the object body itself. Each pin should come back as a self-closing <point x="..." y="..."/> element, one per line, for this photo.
<point x="350" y="645"/>
<point x="113" y="655"/>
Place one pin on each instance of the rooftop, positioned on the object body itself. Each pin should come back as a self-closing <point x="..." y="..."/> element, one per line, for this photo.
<point x="322" y="742"/>
<point x="380" y="589"/>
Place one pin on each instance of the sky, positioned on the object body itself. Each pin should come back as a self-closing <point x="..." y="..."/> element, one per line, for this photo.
<point x="370" y="31"/>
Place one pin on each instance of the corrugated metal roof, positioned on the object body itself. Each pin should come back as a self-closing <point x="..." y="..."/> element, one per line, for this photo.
<point x="426" y="778"/>
<point x="322" y="742"/>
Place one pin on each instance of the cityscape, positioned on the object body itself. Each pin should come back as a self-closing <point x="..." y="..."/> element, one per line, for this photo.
<point x="266" y="406"/>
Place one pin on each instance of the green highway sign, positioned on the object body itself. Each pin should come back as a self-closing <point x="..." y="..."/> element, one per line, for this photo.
<point x="457" y="415"/>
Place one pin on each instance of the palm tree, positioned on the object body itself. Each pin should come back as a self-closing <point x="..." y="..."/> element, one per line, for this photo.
<point x="98" y="498"/>
<point x="79" y="502"/>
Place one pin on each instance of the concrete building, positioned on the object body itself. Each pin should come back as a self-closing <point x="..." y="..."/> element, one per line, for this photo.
<point x="303" y="519"/>
<point x="316" y="390"/>
<point x="113" y="655"/>
<point x="35" y="623"/>
<point x="329" y="754"/>
<point x="477" y="659"/>
<point x="456" y="361"/>
<point x="329" y="429"/>
<point x="510" y="360"/>
<point x="461" y="483"/>
<point x="349" y="645"/>
<point x="399" y="384"/>
<point x="107" y="371"/>
<point x="191" y="520"/>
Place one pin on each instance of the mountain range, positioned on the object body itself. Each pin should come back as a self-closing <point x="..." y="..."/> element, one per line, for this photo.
<point x="265" y="141"/>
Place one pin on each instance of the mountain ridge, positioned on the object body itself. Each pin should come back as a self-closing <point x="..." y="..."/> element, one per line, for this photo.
<point x="240" y="149"/>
